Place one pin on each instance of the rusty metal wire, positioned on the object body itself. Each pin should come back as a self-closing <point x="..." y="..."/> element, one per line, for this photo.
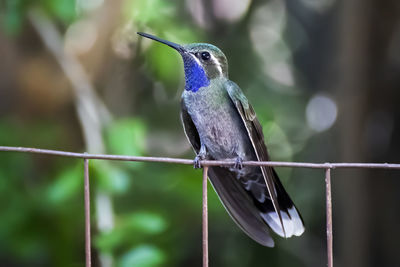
<point x="87" y="214"/>
<point x="205" y="218"/>
<point x="205" y="164"/>
<point x="329" y="232"/>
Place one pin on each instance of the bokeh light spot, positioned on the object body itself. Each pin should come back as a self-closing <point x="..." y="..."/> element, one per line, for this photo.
<point x="321" y="113"/>
<point x="231" y="10"/>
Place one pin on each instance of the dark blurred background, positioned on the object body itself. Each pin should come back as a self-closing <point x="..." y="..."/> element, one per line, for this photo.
<point x="323" y="76"/>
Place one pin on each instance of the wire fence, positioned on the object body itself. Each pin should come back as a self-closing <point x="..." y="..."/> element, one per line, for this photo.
<point x="205" y="164"/>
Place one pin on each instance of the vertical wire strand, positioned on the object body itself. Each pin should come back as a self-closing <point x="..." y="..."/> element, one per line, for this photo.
<point x="205" y="218"/>
<point x="329" y="232"/>
<point x="87" y="214"/>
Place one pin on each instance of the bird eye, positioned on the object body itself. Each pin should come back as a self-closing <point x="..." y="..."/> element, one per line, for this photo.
<point x="205" y="55"/>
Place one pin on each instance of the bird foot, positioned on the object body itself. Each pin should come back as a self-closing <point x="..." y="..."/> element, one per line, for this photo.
<point x="238" y="163"/>
<point x="196" y="161"/>
<point x="200" y="156"/>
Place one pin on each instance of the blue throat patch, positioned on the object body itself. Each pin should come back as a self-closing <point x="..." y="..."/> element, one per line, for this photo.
<point x="195" y="76"/>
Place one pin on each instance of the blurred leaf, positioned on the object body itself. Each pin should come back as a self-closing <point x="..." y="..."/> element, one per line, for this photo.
<point x="142" y="256"/>
<point x="165" y="63"/>
<point x="106" y="242"/>
<point x="63" y="9"/>
<point x="66" y="185"/>
<point x="111" y="178"/>
<point x="131" y="228"/>
<point x="126" y="137"/>
<point x="145" y="222"/>
<point x="147" y="11"/>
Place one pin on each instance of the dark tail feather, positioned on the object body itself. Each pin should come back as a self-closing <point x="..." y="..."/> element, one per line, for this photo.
<point x="255" y="218"/>
<point x="240" y="205"/>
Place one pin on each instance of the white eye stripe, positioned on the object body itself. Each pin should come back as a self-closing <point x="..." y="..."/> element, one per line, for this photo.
<point x="213" y="59"/>
<point x="197" y="60"/>
<point x="217" y="63"/>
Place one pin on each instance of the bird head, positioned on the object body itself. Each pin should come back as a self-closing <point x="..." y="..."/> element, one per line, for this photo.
<point x="202" y="62"/>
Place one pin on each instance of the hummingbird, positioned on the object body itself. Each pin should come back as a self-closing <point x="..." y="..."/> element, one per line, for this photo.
<point x="220" y="124"/>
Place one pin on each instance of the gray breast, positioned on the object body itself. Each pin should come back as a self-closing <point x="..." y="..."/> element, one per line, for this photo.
<point x="218" y="123"/>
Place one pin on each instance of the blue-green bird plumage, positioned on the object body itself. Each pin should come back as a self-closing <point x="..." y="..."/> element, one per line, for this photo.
<point x="221" y="124"/>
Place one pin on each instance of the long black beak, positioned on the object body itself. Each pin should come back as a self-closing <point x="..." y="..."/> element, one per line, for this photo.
<point x="175" y="46"/>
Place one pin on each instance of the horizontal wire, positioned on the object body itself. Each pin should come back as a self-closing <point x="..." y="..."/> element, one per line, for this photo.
<point x="326" y="165"/>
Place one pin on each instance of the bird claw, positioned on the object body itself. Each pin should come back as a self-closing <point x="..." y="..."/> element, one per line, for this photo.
<point x="196" y="161"/>
<point x="200" y="156"/>
<point x="238" y="163"/>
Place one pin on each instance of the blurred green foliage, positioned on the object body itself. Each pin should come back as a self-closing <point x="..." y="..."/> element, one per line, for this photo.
<point x="126" y="137"/>
<point x="143" y="256"/>
<point x="15" y="11"/>
<point x="156" y="207"/>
